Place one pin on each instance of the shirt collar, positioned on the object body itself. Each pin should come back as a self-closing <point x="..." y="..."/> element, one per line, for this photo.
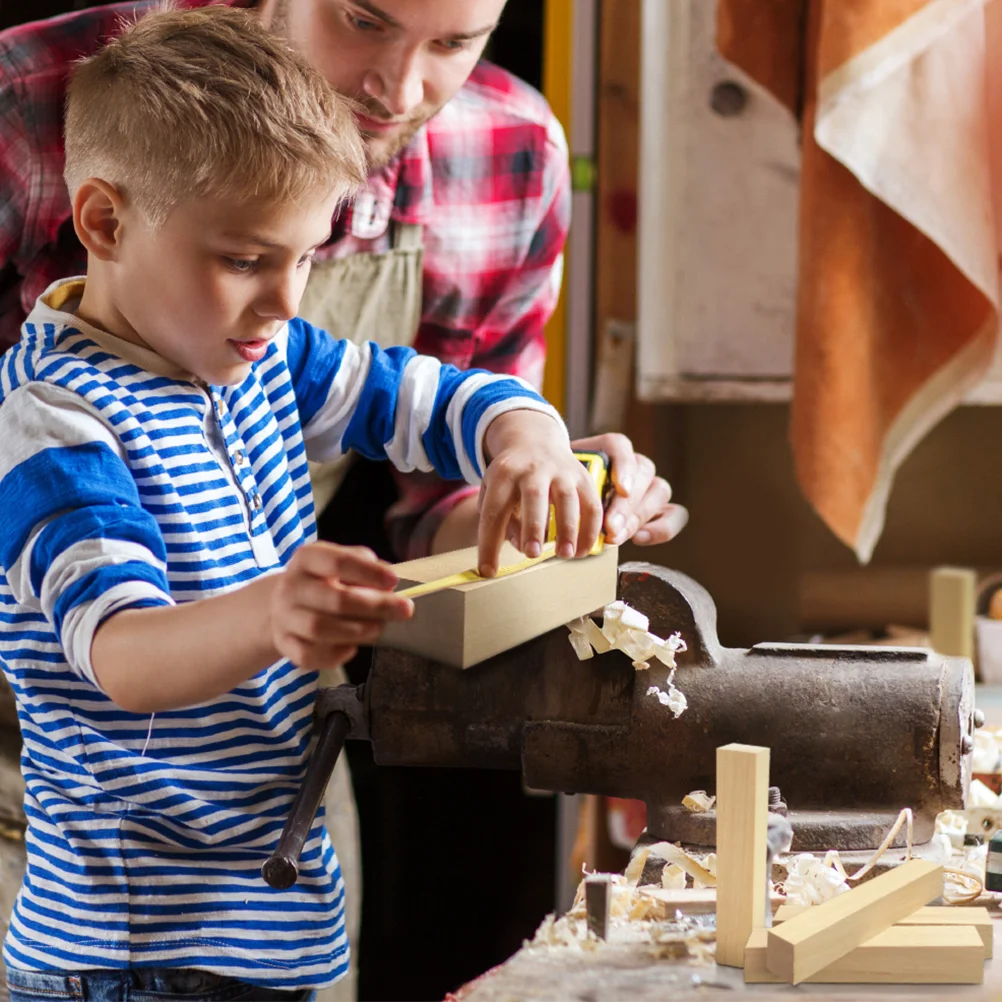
<point x="56" y="306"/>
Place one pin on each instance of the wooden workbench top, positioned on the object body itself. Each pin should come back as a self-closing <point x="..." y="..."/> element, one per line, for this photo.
<point x="617" y="972"/>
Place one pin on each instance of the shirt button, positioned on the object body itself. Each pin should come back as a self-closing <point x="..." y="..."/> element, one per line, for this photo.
<point x="239" y="455"/>
<point x="256" y="501"/>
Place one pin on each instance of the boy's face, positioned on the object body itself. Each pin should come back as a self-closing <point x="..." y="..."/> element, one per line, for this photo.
<point x="403" y="60"/>
<point x="211" y="288"/>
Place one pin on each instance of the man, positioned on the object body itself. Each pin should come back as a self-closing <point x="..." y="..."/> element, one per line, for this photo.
<point x="455" y="245"/>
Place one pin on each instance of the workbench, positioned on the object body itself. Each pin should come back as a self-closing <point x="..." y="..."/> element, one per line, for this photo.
<point x="617" y="972"/>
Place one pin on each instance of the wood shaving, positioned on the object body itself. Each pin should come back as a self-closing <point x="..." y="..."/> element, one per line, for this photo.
<point x="625" y="629"/>
<point x="638" y="917"/>
<point x="810" y="880"/>
<point x="698" y="801"/>
<point x="670" y="697"/>
<point x="954" y="825"/>
<point x="673" y="877"/>
<point x="635" y="868"/>
<point x="702" y="868"/>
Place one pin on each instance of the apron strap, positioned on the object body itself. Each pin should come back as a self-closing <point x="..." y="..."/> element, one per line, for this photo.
<point x="407" y="236"/>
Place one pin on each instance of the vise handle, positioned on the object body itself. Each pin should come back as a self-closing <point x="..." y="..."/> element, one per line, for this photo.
<point x="281" y="868"/>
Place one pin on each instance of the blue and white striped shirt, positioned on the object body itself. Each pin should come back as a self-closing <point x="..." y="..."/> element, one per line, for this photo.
<point x="126" y="483"/>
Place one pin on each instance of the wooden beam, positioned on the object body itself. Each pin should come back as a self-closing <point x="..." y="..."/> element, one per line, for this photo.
<point x="817" y="938"/>
<point x="951" y="611"/>
<point x="742" y="817"/>
<point x="906" y="955"/>
<point x="974" y="918"/>
<point x="464" y="625"/>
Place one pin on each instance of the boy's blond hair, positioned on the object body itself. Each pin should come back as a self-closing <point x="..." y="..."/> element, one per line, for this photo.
<point x="207" y="103"/>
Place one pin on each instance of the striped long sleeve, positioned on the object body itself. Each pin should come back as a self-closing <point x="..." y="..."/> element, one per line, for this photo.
<point x="414" y="410"/>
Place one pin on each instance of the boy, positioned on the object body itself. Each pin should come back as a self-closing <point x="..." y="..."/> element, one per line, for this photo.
<point x="162" y="603"/>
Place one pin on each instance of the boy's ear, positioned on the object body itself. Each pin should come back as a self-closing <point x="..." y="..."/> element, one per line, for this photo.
<point x="97" y="218"/>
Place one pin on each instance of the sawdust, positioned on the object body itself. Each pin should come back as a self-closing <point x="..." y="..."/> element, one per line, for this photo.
<point x="637" y="919"/>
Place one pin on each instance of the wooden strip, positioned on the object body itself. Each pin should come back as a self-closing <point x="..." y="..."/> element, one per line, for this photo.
<point x="976" y="918"/>
<point x="742" y="817"/>
<point x="951" y="611"/>
<point x="905" y="955"/>
<point x="818" y="937"/>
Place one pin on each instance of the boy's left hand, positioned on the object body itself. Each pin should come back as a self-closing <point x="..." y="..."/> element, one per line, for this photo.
<point x="531" y="467"/>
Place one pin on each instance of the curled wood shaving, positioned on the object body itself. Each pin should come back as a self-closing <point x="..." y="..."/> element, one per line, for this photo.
<point x="698" y="801"/>
<point x="625" y="629"/>
<point x="702" y="869"/>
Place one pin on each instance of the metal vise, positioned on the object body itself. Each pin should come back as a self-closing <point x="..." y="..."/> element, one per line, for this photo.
<point x="856" y="733"/>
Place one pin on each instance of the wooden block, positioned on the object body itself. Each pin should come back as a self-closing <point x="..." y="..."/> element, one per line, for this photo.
<point x="906" y="955"/>
<point x="598" y="903"/>
<point x="816" y="938"/>
<point x="465" y="625"/>
<point x="742" y="817"/>
<point x="951" y="611"/>
<point x="974" y="918"/>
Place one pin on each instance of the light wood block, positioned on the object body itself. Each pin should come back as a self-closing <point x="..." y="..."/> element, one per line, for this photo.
<point x="816" y="938"/>
<point x="951" y="611"/>
<point x="465" y="625"/>
<point x="974" y="918"/>
<point x="742" y="818"/>
<point x="906" y="955"/>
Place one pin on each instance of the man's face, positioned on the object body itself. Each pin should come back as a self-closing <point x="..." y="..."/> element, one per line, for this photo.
<point x="212" y="286"/>
<point x="402" y="60"/>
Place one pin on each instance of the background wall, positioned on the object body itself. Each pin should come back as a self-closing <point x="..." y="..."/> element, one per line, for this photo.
<point x="752" y="537"/>
<point x="753" y="542"/>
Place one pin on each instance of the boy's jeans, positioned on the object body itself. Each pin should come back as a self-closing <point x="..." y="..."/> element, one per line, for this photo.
<point x="144" y="985"/>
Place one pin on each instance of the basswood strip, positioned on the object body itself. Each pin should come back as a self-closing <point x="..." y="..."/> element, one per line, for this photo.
<point x="818" y="937"/>
<point x="905" y="955"/>
<point x="975" y="918"/>
<point x="742" y="818"/>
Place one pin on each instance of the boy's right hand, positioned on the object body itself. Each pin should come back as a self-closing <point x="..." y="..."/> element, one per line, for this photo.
<point x="329" y="601"/>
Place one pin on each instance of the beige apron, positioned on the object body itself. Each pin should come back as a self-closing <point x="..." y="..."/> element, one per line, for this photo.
<point x="365" y="297"/>
<point x="362" y="297"/>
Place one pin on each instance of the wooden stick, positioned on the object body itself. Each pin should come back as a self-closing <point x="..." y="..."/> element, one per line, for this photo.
<point x="742" y="817"/>
<point x="974" y="918"/>
<point x="818" y="937"/>
<point x="906" y="955"/>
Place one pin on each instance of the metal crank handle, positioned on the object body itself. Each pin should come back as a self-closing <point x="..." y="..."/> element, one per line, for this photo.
<point x="281" y="868"/>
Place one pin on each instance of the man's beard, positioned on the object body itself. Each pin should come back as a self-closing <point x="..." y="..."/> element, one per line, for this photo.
<point x="389" y="148"/>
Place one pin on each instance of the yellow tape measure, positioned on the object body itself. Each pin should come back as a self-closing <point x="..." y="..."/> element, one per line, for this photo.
<point x="468" y="577"/>
<point x="597" y="464"/>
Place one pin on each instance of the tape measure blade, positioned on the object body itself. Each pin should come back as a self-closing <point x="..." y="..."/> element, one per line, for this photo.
<point x="468" y="577"/>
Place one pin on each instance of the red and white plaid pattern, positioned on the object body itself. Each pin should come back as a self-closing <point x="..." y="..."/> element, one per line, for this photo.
<point x="487" y="178"/>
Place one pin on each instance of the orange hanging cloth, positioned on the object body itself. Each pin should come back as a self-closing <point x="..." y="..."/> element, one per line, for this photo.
<point x="897" y="305"/>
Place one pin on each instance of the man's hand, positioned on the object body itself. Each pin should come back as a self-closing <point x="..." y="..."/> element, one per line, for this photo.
<point x="641" y="511"/>
<point x="329" y="601"/>
<point x="532" y="467"/>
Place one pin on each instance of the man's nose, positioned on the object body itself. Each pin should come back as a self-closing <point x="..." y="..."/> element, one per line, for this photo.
<point x="398" y="83"/>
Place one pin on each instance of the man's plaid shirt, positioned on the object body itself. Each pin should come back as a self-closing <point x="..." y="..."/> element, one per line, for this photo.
<point x="487" y="178"/>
